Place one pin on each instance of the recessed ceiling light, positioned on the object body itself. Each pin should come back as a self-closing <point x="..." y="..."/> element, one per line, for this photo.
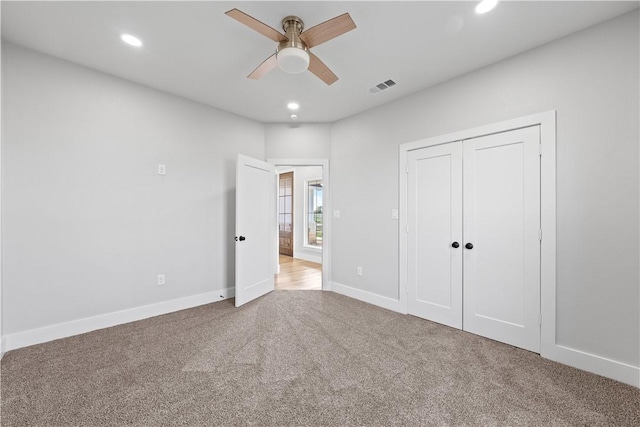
<point x="293" y="106"/>
<point x="485" y="6"/>
<point x="294" y="116"/>
<point x="131" y="40"/>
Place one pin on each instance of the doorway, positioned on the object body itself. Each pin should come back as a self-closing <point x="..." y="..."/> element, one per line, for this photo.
<point x="307" y="268"/>
<point x="300" y="227"/>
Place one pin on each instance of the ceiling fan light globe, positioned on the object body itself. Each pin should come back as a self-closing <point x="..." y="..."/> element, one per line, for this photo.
<point x="293" y="60"/>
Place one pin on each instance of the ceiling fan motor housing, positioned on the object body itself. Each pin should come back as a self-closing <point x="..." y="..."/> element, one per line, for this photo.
<point x="292" y="54"/>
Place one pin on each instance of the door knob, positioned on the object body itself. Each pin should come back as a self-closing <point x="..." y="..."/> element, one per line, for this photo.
<point x="468" y="245"/>
<point x="242" y="238"/>
<point x="455" y="245"/>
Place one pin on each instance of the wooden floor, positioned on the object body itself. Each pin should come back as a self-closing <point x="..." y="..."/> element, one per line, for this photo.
<point x="297" y="274"/>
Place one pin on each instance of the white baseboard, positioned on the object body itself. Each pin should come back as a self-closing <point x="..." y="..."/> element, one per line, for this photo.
<point x="368" y="297"/>
<point x="317" y="258"/>
<point x="609" y="368"/>
<point x="81" y="326"/>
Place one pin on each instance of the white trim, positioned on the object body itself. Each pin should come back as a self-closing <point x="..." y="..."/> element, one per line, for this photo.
<point x="549" y="348"/>
<point x="369" y="297"/>
<point x="326" y="206"/>
<point x="88" y="324"/>
<point x="609" y="368"/>
<point x="513" y="124"/>
<point x="316" y="258"/>
<point x="548" y="226"/>
<point x="2" y="351"/>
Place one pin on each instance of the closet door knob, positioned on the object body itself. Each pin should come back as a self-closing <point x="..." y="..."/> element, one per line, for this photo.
<point x="469" y="246"/>
<point x="455" y="245"/>
<point x="242" y="238"/>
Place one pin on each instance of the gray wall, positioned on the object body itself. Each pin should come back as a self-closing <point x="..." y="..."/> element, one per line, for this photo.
<point x="88" y="222"/>
<point x="591" y="79"/>
<point x="297" y="141"/>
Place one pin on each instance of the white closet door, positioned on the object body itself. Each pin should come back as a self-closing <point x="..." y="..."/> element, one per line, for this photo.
<point x="434" y="289"/>
<point x="501" y="179"/>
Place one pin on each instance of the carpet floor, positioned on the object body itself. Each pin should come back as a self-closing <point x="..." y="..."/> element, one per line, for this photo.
<point x="299" y="358"/>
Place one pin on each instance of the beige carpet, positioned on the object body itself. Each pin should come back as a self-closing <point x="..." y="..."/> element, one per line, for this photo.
<point x="299" y="358"/>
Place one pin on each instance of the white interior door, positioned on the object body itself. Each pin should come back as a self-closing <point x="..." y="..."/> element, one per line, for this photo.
<point x="256" y="245"/>
<point x="501" y="179"/>
<point x="434" y="286"/>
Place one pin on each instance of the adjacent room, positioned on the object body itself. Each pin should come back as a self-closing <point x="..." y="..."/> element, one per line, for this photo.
<point x="320" y="213"/>
<point x="300" y="233"/>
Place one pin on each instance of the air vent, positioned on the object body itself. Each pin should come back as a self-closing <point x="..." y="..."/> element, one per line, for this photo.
<point x="382" y="86"/>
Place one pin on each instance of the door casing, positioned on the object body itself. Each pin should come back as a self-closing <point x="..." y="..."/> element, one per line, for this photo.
<point x="326" y="202"/>
<point x="547" y="123"/>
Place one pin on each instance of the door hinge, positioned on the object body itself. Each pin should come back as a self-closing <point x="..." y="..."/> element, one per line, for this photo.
<point x="406" y="230"/>
<point x="540" y="319"/>
<point x="406" y="170"/>
<point x="540" y="234"/>
<point x="540" y="149"/>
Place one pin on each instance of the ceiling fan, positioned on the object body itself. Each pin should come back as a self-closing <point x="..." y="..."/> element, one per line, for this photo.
<point x="292" y="54"/>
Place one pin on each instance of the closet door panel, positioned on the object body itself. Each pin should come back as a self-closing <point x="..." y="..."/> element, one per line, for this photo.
<point x="501" y="180"/>
<point x="435" y="222"/>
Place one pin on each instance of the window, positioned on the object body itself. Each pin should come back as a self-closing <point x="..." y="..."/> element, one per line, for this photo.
<point x="314" y="213"/>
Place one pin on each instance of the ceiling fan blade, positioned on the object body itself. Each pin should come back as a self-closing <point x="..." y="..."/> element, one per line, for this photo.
<point x="317" y="67"/>
<point x="256" y="25"/>
<point x="328" y="30"/>
<point x="267" y="65"/>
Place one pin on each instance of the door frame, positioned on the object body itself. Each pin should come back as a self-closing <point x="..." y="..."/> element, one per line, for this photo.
<point x="547" y="123"/>
<point x="326" y="207"/>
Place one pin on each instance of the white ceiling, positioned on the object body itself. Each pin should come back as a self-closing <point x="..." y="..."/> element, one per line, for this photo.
<point x="194" y="50"/>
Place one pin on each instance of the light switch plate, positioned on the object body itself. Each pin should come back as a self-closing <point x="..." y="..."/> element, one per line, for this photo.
<point x="394" y="213"/>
